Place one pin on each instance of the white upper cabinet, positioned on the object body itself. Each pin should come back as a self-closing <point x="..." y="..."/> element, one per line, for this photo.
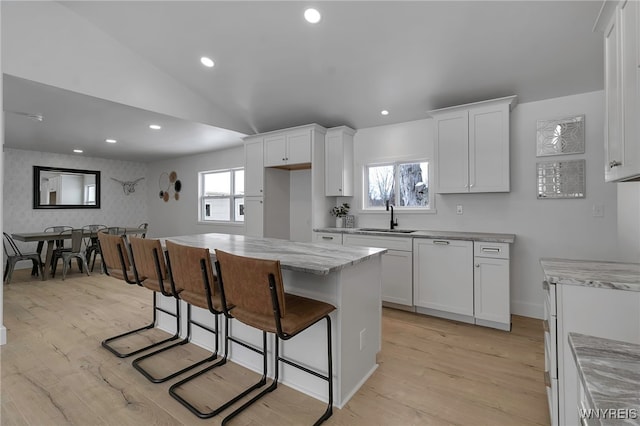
<point x="620" y="22"/>
<point x="339" y="161"/>
<point x="472" y="146"/>
<point x="288" y="148"/>
<point x="253" y="167"/>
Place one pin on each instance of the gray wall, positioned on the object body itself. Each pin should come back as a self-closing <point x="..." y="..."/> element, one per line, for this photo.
<point x="543" y="228"/>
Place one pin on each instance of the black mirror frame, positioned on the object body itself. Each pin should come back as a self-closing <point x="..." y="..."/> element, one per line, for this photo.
<point x="36" y="188"/>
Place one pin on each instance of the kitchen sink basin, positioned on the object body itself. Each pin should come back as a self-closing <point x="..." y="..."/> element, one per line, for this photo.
<point x="395" y="231"/>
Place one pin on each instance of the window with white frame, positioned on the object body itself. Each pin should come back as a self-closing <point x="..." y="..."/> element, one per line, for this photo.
<point x="405" y="184"/>
<point x="222" y="195"/>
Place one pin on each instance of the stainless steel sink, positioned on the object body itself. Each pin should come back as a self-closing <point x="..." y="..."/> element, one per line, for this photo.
<point x="395" y="231"/>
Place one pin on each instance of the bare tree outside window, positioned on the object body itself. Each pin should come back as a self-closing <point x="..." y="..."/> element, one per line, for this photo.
<point x="403" y="184"/>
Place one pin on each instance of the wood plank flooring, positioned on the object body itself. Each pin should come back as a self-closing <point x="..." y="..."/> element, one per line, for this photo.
<point x="432" y="371"/>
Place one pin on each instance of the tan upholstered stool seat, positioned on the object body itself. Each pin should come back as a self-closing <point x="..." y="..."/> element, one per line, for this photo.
<point x="301" y="313"/>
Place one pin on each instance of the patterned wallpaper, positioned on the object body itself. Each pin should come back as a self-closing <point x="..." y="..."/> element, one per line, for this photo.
<point x="116" y="208"/>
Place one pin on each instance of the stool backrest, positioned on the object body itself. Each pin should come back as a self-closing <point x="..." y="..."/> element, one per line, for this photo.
<point x="186" y="268"/>
<point x="76" y="239"/>
<point x="245" y="283"/>
<point x="115" y="256"/>
<point x="145" y="252"/>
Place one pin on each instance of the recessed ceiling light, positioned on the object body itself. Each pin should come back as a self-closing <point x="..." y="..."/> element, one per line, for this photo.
<point x="110" y="140"/>
<point x="207" y="62"/>
<point x="312" y="16"/>
<point x="78" y="151"/>
<point x="155" y="127"/>
<point x="384" y="112"/>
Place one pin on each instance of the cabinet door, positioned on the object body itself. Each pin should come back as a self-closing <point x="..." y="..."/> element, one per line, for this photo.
<point x="275" y="150"/>
<point x="491" y="290"/>
<point x="254" y="216"/>
<point x="298" y="147"/>
<point x="397" y="282"/>
<point x="254" y="168"/>
<point x="452" y="152"/>
<point x="629" y="62"/>
<point x="613" y="143"/>
<point x="489" y="148"/>
<point x="334" y="166"/>
<point x="443" y="275"/>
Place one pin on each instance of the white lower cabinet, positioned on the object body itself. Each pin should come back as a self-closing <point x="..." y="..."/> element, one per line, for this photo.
<point x="443" y="278"/>
<point x="397" y="280"/>
<point x="601" y="312"/>
<point x="254" y="216"/>
<point x="491" y="285"/>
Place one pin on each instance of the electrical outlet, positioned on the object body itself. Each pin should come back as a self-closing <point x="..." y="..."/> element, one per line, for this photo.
<point x="459" y="209"/>
<point x="598" y="210"/>
<point x="362" y="337"/>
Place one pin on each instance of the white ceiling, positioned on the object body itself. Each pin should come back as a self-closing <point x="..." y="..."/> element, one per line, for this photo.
<point x="274" y="70"/>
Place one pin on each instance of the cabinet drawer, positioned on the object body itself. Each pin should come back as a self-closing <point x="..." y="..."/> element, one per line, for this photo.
<point x="328" y="238"/>
<point x="495" y="250"/>
<point x="391" y="243"/>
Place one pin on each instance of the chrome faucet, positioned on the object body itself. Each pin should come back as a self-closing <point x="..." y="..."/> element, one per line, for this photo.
<point x="392" y="223"/>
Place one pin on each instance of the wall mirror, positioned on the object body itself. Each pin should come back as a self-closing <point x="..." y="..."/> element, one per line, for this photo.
<point x="561" y="179"/>
<point x="58" y="188"/>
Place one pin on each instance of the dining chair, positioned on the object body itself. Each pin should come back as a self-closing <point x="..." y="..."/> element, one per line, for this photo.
<point x="76" y="251"/>
<point x="58" y="244"/>
<point x="143" y="228"/>
<point x="253" y="293"/>
<point x="15" y="255"/>
<point x="91" y="242"/>
<point x="117" y="264"/>
<point x="190" y="273"/>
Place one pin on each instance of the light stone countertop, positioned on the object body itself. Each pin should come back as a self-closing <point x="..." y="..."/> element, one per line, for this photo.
<point x="423" y="233"/>
<point x="613" y="275"/>
<point x="610" y="374"/>
<point x="314" y="258"/>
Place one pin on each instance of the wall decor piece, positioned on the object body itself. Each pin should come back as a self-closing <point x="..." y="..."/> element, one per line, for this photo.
<point x="561" y="136"/>
<point x="170" y="186"/>
<point x="561" y="179"/>
<point x="128" y="187"/>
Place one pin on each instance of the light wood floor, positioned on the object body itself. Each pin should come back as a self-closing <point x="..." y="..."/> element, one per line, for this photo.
<point x="432" y="371"/>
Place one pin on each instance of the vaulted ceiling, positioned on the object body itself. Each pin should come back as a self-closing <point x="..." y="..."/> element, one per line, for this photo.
<point x="274" y="70"/>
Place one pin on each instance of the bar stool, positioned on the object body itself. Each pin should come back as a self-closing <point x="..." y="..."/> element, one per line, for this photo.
<point x="189" y="268"/>
<point x="253" y="293"/>
<point x="113" y="249"/>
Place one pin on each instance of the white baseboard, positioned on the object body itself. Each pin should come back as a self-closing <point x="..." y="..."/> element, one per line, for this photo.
<point x="526" y="309"/>
<point x="3" y="335"/>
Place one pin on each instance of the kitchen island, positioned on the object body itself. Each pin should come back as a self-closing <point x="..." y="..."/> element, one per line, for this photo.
<point x="346" y="277"/>
<point x="597" y="298"/>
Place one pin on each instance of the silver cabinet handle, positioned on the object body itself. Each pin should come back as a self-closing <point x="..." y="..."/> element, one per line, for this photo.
<point x="441" y="243"/>
<point x="327" y="238"/>
<point x="261" y="190"/>
<point x="339" y="189"/>
<point x="545" y="285"/>
<point x="490" y="250"/>
<point x="477" y="265"/>
<point x="614" y="163"/>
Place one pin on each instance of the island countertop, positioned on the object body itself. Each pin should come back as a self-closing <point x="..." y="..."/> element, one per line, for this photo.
<point x="313" y="258"/>
<point x="610" y="374"/>
<point x="613" y="275"/>
<point x="423" y="233"/>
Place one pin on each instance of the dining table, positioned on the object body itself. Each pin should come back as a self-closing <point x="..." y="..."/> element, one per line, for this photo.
<point x="50" y="238"/>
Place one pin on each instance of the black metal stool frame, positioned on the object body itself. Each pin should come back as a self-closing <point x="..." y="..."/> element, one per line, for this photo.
<point x="106" y="342"/>
<point x="136" y="362"/>
<point x="281" y="335"/>
<point x="228" y="338"/>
